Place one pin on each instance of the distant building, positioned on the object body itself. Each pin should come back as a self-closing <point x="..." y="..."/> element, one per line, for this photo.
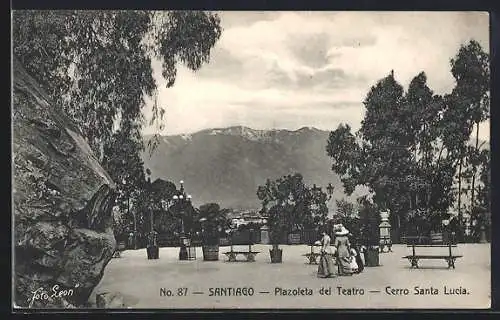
<point x="246" y="217"/>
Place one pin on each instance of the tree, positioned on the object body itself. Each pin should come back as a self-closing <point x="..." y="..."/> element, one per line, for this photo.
<point x="406" y="151"/>
<point x="166" y="220"/>
<point x="97" y="65"/>
<point x="348" y="216"/>
<point x="433" y="163"/>
<point x="369" y="220"/>
<point x="482" y="210"/>
<point x="470" y="68"/>
<point x="378" y="155"/>
<point x="291" y="205"/>
<point x="214" y="220"/>
<point x="345" y="209"/>
<point x="126" y="168"/>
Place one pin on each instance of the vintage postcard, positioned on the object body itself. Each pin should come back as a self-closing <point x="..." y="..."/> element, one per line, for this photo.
<point x="250" y="160"/>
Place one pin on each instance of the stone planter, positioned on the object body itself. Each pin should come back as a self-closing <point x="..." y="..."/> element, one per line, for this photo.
<point x="276" y="255"/>
<point x="372" y="257"/>
<point x="210" y="252"/>
<point x="153" y="252"/>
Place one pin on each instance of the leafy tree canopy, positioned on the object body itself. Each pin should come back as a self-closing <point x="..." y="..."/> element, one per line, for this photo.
<point x="97" y="64"/>
<point x="410" y="143"/>
<point x="291" y="204"/>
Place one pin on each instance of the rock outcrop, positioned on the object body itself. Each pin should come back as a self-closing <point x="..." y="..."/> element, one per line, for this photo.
<point x="110" y="300"/>
<point x="62" y="200"/>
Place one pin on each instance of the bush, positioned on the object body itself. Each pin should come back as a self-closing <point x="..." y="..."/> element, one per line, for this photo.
<point x="369" y="223"/>
<point x="214" y="223"/>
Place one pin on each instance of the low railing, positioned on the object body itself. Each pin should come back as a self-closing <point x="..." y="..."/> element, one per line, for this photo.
<point x="237" y="237"/>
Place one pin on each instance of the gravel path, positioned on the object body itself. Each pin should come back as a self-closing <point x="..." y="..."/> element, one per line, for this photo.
<point x="293" y="284"/>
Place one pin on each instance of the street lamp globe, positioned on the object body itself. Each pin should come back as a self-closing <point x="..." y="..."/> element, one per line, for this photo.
<point x="175" y="197"/>
<point x="181" y="197"/>
<point x="182" y="182"/>
<point x="189" y="197"/>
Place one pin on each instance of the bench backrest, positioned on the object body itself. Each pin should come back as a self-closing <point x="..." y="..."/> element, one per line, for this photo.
<point x="433" y="240"/>
<point x="242" y="247"/>
<point x="448" y="246"/>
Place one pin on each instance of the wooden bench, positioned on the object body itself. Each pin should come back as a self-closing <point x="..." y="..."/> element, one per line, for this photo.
<point x="249" y="254"/>
<point x="414" y="258"/>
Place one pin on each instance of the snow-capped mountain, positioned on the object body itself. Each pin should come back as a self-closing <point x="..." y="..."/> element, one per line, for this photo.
<point x="226" y="165"/>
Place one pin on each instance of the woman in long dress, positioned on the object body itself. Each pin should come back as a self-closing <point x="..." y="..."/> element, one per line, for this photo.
<point x="343" y="247"/>
<point x="359" y="261"/>
<point x="326" y="267"/>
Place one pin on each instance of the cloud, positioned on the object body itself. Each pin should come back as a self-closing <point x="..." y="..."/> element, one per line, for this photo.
<point x="292" y="69"/>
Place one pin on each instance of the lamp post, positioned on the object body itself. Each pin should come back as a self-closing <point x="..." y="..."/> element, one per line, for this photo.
<point x="152" y="239"/>
<point x="182" y="199"/>
<point x="482" y="233"/>
<point x="329" y="190"/>
<point x="446" y="235"/>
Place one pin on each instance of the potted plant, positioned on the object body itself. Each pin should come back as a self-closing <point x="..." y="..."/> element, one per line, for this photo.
<point x="276" y="228"/>
<point x="213" y="220"/>
<point x="370" y="232"/>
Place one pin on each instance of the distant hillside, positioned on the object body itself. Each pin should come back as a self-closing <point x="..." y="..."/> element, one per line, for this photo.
<point x="226" y="165"/>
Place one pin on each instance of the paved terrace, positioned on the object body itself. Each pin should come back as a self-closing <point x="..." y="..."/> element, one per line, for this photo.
<point x="139" y="280"/>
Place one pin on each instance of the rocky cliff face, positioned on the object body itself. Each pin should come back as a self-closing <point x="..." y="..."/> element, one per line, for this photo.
<point x="62" y="201"/>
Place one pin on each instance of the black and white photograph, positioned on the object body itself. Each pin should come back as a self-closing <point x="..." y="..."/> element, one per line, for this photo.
<point x="250" y="160"/>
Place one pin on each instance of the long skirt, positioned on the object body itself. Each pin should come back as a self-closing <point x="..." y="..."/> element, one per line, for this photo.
<point x="326" y="268"/>
<point x="345" y="266"/>
<point x="360" y="263"/>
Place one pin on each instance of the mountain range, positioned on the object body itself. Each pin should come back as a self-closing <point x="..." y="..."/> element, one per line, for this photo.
<point x="226" y="165"/>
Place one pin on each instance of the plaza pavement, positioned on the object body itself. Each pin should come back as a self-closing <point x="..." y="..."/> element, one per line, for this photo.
<point x="139" y="280"/>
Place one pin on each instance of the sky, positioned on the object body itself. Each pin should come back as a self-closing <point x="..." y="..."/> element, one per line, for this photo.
<point x="288" y="70"/>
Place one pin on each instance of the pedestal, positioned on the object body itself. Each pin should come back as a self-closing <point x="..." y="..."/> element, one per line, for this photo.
<point x="276" y="255"/>
<point x="372" y="257"/>
<point x="210" y="252"/>
<point x="153" y="253"/>
<point x="183" y="253"/>
<point x="482" y="235"/>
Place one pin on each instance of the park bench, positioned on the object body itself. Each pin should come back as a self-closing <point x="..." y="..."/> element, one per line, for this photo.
<point x="248" y="254"/>
<point x="313" y="256"/>
<point x="418" y="243"/>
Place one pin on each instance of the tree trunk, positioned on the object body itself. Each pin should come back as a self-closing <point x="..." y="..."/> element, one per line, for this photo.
<point x="62" y="202"/>
<point x="460" y="194"/>
<point x="474" y="169"/>
<point x="151" y="219"/>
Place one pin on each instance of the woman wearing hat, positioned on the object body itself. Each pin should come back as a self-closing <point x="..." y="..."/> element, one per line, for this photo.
<point x="343" y="247"/>
<point x="326" y="267"/>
